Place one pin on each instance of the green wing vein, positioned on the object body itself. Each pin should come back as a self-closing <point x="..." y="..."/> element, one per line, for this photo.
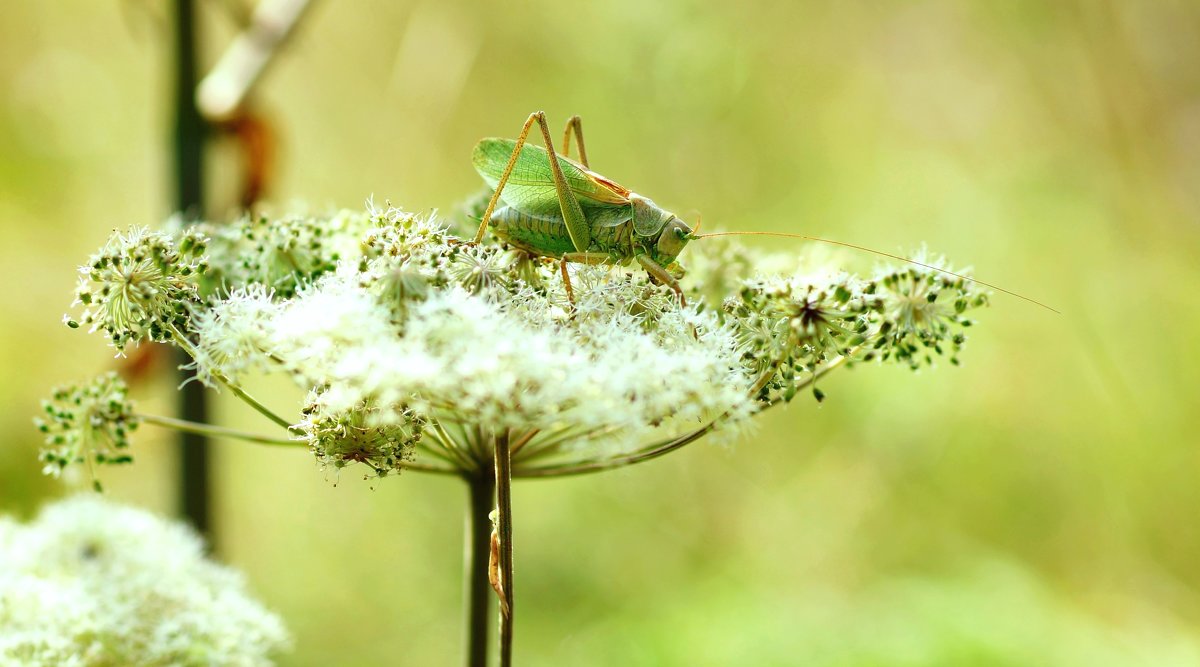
<point x="530" y="187"/>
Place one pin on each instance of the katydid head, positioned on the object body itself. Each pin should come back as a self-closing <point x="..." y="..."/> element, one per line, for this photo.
<point x="675" y="235"/>
<point x="663" y="233"/>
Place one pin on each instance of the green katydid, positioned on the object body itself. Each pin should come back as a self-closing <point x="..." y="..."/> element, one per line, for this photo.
<point x="562" y="209"/>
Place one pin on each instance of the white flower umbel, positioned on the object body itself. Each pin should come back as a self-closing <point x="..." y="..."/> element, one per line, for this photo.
<point x="417" y="348"/>
<point x="91" y="583"/>
<point x="520" y="363"/>
<point x="141" y="285"/>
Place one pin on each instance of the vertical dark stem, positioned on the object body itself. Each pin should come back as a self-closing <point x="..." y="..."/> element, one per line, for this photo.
<point x="504" y="526"/>
<point x="188" y="140"/>
<point x="189" y="126"/>
<point x="480" y="488"/>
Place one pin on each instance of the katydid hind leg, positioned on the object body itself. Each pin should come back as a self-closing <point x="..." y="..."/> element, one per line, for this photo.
<point x="577" y="225"/>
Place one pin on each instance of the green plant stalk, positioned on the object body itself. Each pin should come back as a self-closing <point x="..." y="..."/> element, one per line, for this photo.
<point x="186" y="346"/>
<point x="477" y="551"/>
<point x="184" y="426"/>
<point x="477" y="543"/>
<point x="504" y="527"/>
<point x="197" y="428"/>
<point x="464" y="458"/>
<point x="249" y="400"/>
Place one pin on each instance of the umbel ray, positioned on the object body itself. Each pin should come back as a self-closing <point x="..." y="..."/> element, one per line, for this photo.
<point x="562" y="209"/>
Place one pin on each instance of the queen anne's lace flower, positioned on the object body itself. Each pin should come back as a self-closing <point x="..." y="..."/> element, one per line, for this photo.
<point x="481" y="268"/>
<point x="925" y="314"/>
<point x="412" y="342"/>
<point x="93" y="584"/>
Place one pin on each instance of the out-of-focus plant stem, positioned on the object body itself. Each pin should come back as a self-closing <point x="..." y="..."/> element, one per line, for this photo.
<point x="224" y="91"/>
<point x="189" y="131"/>
<point x="272" y="23"/>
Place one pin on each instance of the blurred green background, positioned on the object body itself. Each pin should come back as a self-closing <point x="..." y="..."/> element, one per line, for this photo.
<point x="1037" y="506"/>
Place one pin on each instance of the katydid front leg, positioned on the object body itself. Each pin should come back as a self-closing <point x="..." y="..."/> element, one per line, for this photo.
<point x="661" y="275"/>
<point x="562" y="267"/>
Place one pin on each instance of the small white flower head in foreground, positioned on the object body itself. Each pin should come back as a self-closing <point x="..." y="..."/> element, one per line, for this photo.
<point x="90" y="583"/>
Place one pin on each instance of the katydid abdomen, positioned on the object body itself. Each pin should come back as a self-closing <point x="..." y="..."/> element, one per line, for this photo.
<point x="547" y="235"/>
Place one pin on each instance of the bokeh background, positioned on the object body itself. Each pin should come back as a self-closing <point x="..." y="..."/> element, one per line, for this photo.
<point x="1037" y="506"/>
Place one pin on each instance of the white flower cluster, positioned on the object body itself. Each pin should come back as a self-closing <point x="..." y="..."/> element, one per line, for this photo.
<point x="515" y="364"/>
<point x="410" y="340"/>
<point x="92" y="584"/>
<point x="87" y="423"/>
<point x="424" y="327"/>
<point x="141" y="285"/>
<point x="281" y="253"/>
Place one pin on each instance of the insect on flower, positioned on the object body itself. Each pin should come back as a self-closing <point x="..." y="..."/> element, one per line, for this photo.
<point x="562" y="209"/>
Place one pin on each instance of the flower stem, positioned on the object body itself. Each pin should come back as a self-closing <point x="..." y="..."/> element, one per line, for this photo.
<point x="596" y="465"/>
<point x="478" y="590"/>
<point x="198" y="428"/>
<point x="668" y="446"/>
<point x="463" y="458"/>
<point x="263" y="410"/>
<point x="504" y="526"/>
<point x="249" y="400"/>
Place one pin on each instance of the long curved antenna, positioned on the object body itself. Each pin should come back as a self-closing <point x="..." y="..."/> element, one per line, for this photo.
<point x="884" y="254"/>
